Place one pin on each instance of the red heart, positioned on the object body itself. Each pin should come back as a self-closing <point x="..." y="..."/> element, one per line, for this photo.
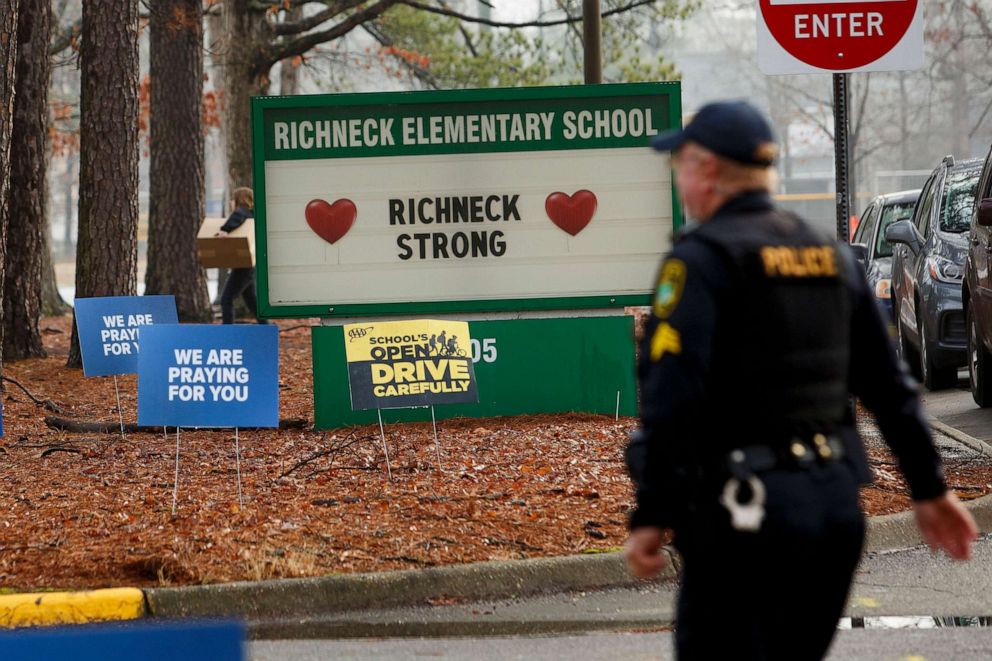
<point x="571" y="212"/>
<point x="331" y="221"/>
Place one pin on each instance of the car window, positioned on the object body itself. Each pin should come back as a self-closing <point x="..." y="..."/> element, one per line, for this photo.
<point x="890" y="214"/>
<point x="866" y="226"/>
<point x="959" y="201"/>
<point x="922" y="217"/>
<point x="985" y="180"/>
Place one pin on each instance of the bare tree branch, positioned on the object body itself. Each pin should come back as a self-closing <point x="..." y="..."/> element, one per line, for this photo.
<point x="301" y="45"/>
<point x="64" y="38"/>
<point x="529" y="24"/>
<point x="310" y="22"/>
<point x="465" y="35"/>
<point x="422" y="74"/>
<point x="47" y="403"/>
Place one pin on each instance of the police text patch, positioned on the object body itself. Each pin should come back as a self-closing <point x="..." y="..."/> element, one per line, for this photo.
<point x="671" y="282"/>
<point x="799" y="262"/>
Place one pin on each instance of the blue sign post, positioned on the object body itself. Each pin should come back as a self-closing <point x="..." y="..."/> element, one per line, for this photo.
<point x="209" y="376"/>
<point x="109" y="330"/>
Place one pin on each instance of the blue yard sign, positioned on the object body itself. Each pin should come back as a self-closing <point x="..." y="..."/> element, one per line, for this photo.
<point x="110" y="330"/>
<point x="141" y="641"/>
<point x="209" y="376"/>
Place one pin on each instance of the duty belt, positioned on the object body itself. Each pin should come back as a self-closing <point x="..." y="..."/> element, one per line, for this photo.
<point x="744" y="464"/>
<point x="797" y="453"/>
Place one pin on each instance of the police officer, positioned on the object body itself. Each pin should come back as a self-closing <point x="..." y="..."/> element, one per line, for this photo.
<point x="747" y="453"/>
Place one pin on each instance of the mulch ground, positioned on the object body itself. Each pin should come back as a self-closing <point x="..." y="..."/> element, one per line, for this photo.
<point x="94" y="510"/>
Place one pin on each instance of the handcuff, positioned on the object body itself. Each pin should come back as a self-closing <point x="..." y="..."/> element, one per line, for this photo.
<point x="744" y="517"/>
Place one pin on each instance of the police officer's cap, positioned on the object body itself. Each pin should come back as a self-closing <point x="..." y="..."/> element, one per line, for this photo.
<point x="734" y="130"/>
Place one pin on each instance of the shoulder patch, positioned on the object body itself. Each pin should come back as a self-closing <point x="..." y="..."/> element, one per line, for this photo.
<point x="665" y="340"/>
<point x="671" y="282"/>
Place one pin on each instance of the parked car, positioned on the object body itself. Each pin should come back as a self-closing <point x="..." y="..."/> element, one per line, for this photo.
<point x="927" y="270"/>
<point x="976" y="291"/>
<point x="872" y="249"/>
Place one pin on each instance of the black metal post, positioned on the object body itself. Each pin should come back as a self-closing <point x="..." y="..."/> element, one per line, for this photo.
<point x="842" y="154"/>
<point x="592" y="34"/>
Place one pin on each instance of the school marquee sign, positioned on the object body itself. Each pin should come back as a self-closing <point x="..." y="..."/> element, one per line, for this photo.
<point x="461" y="201"/>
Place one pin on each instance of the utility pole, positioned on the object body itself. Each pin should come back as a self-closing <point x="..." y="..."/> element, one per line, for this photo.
<point x="592" y="33"/>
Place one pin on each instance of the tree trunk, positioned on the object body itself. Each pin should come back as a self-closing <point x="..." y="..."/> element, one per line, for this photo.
<point x="289" y="77"/>
<point x="8" y="69"/>
<point x="107" y="247"/>
<point x="52" y="303"/>
<point x="176" y="196"/>
<point x="215" y="43"/>
<point x="289" y="69"/>
<point x="26" y="239"/>
<point x="247" y="32"/>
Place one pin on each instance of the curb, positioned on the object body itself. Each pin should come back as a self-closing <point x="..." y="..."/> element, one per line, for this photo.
<point x="289" y="598"/>
<point x="975" y="444"/>
<point x="895" y="531"/>
<point x="350" y="592"/>
<point x="898" y="531"/>
<point x="49" y="608"/>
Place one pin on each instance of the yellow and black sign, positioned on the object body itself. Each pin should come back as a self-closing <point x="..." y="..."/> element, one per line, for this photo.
<point x="394" y="364"/>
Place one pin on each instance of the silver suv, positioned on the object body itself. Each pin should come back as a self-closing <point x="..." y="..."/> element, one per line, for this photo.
<point x="976" y="290"/>
<point x="927" y="267"/>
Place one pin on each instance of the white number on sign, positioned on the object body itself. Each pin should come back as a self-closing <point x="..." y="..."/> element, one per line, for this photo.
<point x="486" y="350"/>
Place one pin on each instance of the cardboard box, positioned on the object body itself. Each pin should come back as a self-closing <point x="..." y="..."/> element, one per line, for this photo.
<point x="236" y="250"/>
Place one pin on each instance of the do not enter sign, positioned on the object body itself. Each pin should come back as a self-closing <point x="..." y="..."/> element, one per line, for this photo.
<point x="803" y="36"/>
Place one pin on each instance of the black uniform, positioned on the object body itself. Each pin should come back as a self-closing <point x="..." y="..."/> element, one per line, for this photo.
<point x="759" y="330"/>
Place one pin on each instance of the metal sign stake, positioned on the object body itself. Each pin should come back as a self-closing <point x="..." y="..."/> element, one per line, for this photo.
<point x="616" y="417"/>
<point x="175" y="486"/>
<point x="237" y="455"/>
<point x="437" y="444"/>
<point x="385" y="450"/>
<point x="120" y="414"/>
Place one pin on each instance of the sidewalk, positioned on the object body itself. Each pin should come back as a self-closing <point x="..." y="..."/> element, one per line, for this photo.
<point x="906" y="583"/>
<point x="443" y="599"/>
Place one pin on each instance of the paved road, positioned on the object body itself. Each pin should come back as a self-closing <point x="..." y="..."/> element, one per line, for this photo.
<point x="956" y="408"/>
<point x="946" y="644"/>
<point x="913" y="586"/>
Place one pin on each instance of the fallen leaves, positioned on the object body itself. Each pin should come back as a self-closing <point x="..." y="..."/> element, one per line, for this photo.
<point x="96" y="510"/>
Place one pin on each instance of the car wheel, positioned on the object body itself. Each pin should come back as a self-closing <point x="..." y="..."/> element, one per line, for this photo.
<point x="979" y="362"/>
<point x="905" y="350"/>
<point x="933" y="377"/>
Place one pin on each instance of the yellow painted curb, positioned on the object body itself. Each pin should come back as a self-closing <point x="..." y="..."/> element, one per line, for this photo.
<point x="46" y="608"/>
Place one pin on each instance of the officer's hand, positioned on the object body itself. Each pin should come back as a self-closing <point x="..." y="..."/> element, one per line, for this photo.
<point x="643" y="551"/>
<point x="946" y="524"/>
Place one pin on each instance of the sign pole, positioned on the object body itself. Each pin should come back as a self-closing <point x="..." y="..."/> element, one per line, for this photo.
<point x="120" y="414"/>
<point x="592" y="39"/>
<point x="385" y="450"/>
<point x="237" y="455"/>
<point x="842" y="153"/>
<point x="437" y="444"/>
<point x="175" y="485"/>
